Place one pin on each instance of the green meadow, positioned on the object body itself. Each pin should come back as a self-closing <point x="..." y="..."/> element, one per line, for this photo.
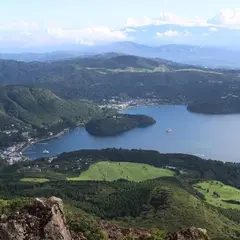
<point x="39" y="180"/>
<point x="110" y="171"/>
<point x="207" y="188"/>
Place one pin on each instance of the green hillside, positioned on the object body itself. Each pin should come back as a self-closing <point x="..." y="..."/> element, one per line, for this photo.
<point x="223" y="196"/>
<point x="105" y="77"/>
<point x="40" y="107"/>
<point x="167" y="202"/>
<point x="110" y="171"/>
<point x="119" y="62"/>
<point x="172" y="206"/>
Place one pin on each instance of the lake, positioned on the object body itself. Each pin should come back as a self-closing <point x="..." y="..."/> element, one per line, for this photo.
<point x="208" y="136"/>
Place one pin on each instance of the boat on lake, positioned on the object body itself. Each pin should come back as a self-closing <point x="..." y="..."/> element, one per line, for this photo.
<point x="168" y="130"/>
<point x="45" y="151"/>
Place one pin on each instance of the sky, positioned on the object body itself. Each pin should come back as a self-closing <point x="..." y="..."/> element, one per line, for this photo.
<point x="49" y="22"/>
<point x="111" y="13"/>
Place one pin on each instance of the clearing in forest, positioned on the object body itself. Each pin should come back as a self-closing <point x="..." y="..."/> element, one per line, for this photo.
<point x="217" y="193"/>
<point x="110" y="171"/>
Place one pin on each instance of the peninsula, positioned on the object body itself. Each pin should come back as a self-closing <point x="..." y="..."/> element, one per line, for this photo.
<point x="116" y="124"/>
<point x="226" y="105"/>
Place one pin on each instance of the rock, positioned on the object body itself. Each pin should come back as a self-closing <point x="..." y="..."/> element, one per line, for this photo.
<point x="114" y="232"/>
<point x="43" y="219"/>
<point x="78" y="236"/>
<point x="189" y="234"/>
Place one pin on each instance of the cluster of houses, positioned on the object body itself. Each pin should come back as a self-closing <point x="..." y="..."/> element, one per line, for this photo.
<point x="13" y="154"/>
<point x="121" y="105"/>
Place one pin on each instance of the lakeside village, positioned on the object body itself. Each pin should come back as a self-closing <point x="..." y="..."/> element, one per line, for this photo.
<point x="121" y="105"/>
<point x="14" y="154"/>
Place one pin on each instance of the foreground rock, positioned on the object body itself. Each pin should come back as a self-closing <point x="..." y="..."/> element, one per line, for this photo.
<point x="44" y="219"/>
<point x="189" y="234"/>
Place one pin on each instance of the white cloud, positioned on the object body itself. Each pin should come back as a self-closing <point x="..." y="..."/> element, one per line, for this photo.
<point x="205" y="34"/>
<point x="130" y="30"/>
<point x="88" y="36"/>
<point x="131" y="22"/>
<point x="213" y="29"/>
<point x="165" y="18"/>
<point x="226" y="17"/>
<point x="173" y="33"/>
<point x="20" y="25"/>
<point x="29" y="33"/>
<point x="32" y="33"/>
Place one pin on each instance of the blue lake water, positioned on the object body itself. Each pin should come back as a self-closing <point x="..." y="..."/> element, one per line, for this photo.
<point x="208" y="136"/>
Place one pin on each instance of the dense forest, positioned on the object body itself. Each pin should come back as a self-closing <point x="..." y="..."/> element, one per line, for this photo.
<point x="116" y="124"/>
<point x="35" y="112"/>
<point x="40" y="107"/>
<point x="73" y="163"/>
<point x="229" y="104"/>
<point x="104" y="77"/>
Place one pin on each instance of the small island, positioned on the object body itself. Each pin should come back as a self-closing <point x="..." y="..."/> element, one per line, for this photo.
<point x="116" y="124"/>
<point x="222" y="106"/>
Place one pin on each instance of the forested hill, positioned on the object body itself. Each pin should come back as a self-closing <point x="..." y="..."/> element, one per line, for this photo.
<point x="107" y="76"/>
<point x="117" y="124"/>
<point x="41" y="108"/>
<point x="112" y="61"/>
<point x="111" y="184"/>
<point x="229" y="104"/>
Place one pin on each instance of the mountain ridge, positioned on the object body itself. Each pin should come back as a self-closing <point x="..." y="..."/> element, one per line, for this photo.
<point x="214" y="57"/>
<point x="39" y="107"/>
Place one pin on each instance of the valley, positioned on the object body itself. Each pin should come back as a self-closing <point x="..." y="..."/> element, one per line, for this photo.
<point x="122" y="139"/>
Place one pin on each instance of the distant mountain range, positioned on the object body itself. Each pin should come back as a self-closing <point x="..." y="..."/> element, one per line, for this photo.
<point x="190" y="34"/>
<point x="121" y="76"/>
<point x="213" y="57"/>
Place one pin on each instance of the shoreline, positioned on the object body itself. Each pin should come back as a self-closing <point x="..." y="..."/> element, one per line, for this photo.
<point x="118" y="106"/>
<point x="28" y="144"/>
<point x="119" y="109"/>
<point x="41" y="140"/>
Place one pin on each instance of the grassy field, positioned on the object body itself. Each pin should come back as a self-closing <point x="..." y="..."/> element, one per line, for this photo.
<point x="226" y="193"/>
<point x="39" y="180"/>
<point x="161" y="68"/>
<point x="196" y="70"/>
<point x="110" y="171"/>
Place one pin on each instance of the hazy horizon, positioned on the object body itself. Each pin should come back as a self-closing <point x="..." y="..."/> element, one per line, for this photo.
<point x="28" y="26"/>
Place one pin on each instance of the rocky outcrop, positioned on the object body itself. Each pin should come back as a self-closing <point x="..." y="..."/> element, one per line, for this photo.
<point x="114" y="232"/>
<point x="43" y="219"/>
<point x="189" y="234"/>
